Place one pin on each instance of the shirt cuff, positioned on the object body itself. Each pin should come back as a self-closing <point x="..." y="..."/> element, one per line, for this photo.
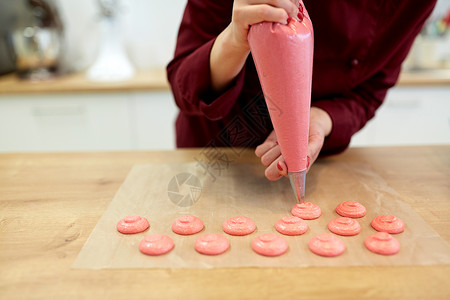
<point x="339" y="138"/>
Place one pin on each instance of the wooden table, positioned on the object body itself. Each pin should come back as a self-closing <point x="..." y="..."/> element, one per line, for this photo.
<point x="50" y="202"/>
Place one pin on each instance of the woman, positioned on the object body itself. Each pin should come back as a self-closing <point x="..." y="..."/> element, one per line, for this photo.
<point x="358" y="50"/>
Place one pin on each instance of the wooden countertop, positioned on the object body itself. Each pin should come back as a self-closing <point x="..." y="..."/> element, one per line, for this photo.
<point x="50" y="202"/>
<point x="425" y="77"/>
<point x="154" y="80"/>
<point x="150" y="80"/>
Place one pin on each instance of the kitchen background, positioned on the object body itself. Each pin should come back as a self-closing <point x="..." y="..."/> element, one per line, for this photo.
<point x="45" y="117"/>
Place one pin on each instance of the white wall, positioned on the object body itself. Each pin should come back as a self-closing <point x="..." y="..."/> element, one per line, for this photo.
<point x="149" y="30"/>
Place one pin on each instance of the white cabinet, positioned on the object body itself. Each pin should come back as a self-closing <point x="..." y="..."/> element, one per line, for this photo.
<point x="153" y="120"/>
<point x="87" y="122"/>
<point x="63" y="122"/>
<point x="409" y="116"/>
<point x="144" y="120"/>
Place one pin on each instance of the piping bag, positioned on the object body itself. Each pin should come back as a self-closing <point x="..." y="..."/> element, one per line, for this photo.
<point x="283" y="56"/>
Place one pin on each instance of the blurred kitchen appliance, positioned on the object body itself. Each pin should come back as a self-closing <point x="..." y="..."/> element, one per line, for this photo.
<point x="112" y="63"/>
<point x="35" y="37"/>
<point x="7" y="59"/>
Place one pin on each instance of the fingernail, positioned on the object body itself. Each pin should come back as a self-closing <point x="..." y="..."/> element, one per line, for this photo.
<point x="279" y="166"/>
<point x="276" y="142"/>
<point x="300" y="14"/>
<point x="307" y="161"/>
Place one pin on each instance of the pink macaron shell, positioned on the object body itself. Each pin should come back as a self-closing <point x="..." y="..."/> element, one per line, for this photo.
<point x="291" y="225"/>
<point x="326" y="244"/>
<point x="269" y="244"/>
<point x="382" y="243"/>
<point x="132" y="224"/>
<point x="187" y="225"/>
<point x="239" y="226"/>
<point x="344" y="226"/>
<point x="388" y="223"/>
<point x="306" y="211"/>
<point x="211" y="244"/>
<point x="351" y="209"/>
<point x="156" y="244"/>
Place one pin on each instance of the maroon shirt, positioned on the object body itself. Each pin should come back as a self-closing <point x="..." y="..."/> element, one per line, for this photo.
<point x="358" y="50"/>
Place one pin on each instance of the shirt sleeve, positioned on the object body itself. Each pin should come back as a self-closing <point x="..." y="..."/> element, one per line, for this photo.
<point x="351" y="111"/>
<point x="189" y="71"/>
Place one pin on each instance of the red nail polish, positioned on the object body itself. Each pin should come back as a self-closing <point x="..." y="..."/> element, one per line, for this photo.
<point x="276" y="142"/>
<point x="300" y="14"/>
<point x="307" y="161"/>
<point x="279" y="166"/>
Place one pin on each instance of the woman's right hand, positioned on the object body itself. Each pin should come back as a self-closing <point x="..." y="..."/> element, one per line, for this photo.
<point x="249" y="12"/>
<point x="231" y="48"/>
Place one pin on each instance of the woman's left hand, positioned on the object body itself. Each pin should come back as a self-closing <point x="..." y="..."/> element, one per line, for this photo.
<point x="320" y="126"/>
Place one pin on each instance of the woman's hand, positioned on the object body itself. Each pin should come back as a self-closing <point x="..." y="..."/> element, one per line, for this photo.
<point x="320" y="126"/>
<point x="249" y="12"/>
<point x="231" y="48"/>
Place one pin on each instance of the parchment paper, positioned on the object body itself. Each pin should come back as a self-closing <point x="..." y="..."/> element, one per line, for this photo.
<point x="241" y="189"/>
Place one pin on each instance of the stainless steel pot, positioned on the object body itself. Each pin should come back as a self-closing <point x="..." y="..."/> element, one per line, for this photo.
<point x="36" y="39"/>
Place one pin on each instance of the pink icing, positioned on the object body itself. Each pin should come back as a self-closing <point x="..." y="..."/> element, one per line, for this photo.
<point x="132" y="224"/>
<point x="283" y="56"/>
<point x="239" y="226"/>
<point x="211" y="244"/>
<point x="187" y="225"/>
<point x="291" y="225"/>
<point x="156" y="244"/>
<point x="382" y="243"/>
<point x="388" y="223"/>
<point x="306" y="211"/>
<point x="351" y="209"/>
<point x="326" y="244"/>
<point x="344" y="226"/>
<point x="269" y="244"/>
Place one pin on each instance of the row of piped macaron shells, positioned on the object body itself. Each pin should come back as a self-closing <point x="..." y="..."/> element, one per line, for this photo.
<point x="209" y="244"/>
<point x="381" y="242"/>
<point x="270" y="244"/>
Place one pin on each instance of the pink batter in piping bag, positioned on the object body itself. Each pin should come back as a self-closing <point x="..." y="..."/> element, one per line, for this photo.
<point x="283" y="55"/>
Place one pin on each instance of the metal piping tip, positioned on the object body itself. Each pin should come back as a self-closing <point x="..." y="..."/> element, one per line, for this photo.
<point x="298" y="183"/>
